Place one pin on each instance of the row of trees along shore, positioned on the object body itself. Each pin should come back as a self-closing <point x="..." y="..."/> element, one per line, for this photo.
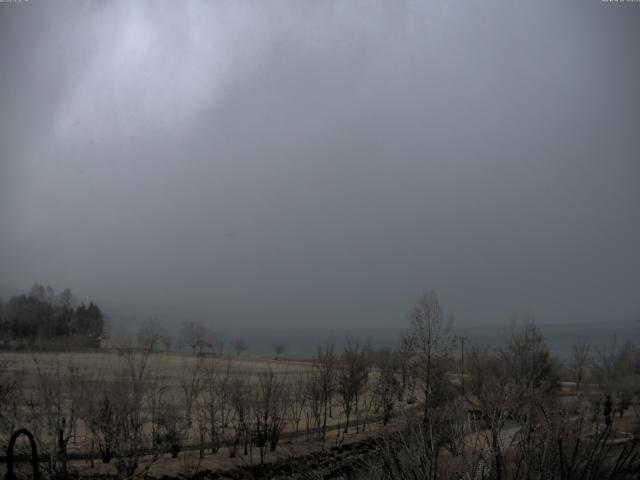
<point x="502" y="414"/>
<point x="46" y="320"/>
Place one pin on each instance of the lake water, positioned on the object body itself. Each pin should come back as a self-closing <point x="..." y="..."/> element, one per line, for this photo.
<point x="560" y="338"/>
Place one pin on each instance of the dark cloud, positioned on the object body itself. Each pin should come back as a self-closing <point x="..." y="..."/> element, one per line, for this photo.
<point x="298" y="164"/>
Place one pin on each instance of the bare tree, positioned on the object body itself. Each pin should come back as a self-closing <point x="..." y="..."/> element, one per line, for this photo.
<point x="190" y="387"/>
<point x="129" y="390"/>
<point x="491" y="390"/>
<point x="297" y="399"/>
<point x="196" y="336"/>
<point x="104" y="403"/>
<point x="279" y="349"/>
<point x="326" y="365"/>
<point x="430" y="344"/>
<point x="532" y="368"/>
<point x="216" y="402"/>
<point x="367" y="400"/>
<point x="514" y="383"/>
<point x="242" y="407"/>
<point x="579" y="361"/>
<point x="269" y="411"/>
<point x="386" y="385"/>
<point x="239" y="346"/>
<point x="315" y="396"/>
<point x="156" y="400"/>
<point x="352" y="378"/>
<point x="403" y="369"/>
<point x="166" y="343"/>
<point x="149" y="334"/>
<point x="217" y="346"/>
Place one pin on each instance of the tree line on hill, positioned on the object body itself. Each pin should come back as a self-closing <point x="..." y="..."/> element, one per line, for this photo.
<point x="45" y="319"/>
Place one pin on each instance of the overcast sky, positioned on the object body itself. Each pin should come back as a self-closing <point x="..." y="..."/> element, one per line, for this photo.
<point x="320" y="164"/>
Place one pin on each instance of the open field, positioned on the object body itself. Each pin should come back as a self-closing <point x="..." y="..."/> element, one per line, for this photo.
<point x="172" y="366"/>
<point x="188" y="412"/>
<point x="132" y="412"/>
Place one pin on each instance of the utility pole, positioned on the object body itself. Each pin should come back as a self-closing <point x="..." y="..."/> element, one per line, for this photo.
<point x="462" y="364"/>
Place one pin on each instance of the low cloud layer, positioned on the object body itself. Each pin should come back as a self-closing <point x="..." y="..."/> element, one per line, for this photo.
<point x="291" y="164"/>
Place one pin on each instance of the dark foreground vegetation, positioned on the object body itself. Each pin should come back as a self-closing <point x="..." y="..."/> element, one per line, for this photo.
<point x="509" y="412"/>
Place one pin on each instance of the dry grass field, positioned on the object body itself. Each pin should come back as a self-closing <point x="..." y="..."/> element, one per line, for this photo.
<point x="206" y="410"/>
<point x="133" y="412"/>
<point x="173" y="366"/>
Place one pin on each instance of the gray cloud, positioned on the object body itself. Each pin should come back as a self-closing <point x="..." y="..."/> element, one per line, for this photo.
<point x="303" y="164"/>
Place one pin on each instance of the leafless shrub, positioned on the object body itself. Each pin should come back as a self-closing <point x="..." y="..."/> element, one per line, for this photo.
<point x="54" y="407"/>
<point x="521" y="430"/>
<point x="169" y="428"/>
<point x="10" y="395"/>
<point x="99" y="414"/>
<point x="564" y="447"/>
<point x="419" y="451"/>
